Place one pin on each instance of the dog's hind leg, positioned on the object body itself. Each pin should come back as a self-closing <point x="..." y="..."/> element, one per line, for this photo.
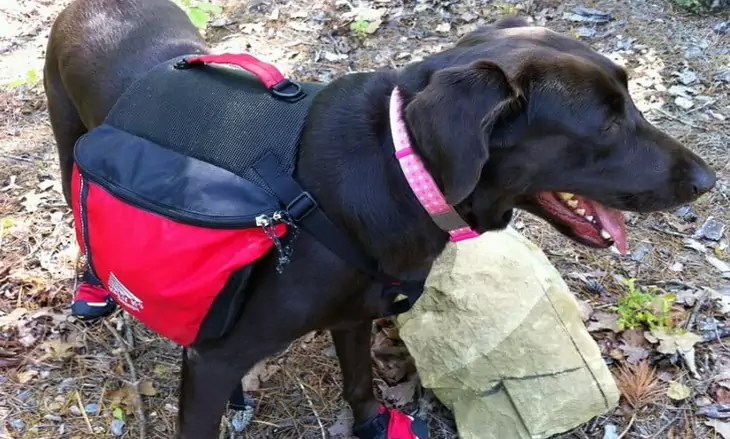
<point x="353" y="350"/>
<point x="66" y="125"/>
<point x="208" y="378"/>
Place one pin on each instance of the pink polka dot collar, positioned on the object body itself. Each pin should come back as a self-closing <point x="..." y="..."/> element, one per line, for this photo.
<point x="419" y="179"/>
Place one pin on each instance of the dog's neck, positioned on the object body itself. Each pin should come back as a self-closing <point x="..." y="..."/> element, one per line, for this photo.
<point x="419" y="178"/>
<point x="367" y="194"/>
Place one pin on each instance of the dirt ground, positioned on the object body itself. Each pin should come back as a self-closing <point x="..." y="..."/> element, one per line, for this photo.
<point x="60" y="379"/>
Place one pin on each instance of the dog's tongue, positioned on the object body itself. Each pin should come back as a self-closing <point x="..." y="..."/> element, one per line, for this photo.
<point x="613" y="222"/>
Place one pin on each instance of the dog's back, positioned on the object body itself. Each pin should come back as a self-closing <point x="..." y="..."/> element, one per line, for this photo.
<point x="96" y="49"/>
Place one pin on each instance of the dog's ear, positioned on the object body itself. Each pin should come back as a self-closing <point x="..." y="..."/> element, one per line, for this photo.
<point x="461" y="114"/>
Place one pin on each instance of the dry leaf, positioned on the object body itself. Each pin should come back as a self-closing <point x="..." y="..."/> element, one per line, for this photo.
<point x="32" y="200"/>
<point x="722" y="428"/>
<point x="343" y="425"/>
<point x="146" y="388"/>
<point x="634" y="354"/>
<point x="58" y="350"/>
<point x="123" y="397"/>
<point x="672" y="343"/>
<point x="634" y="345"/>
<point x="259" y="374"/>
<point x="601" y="321"/>
<point x="24" y="377"/>
<point x="678" y="391"/>
<point x="722" y="394"/>
<point x="13" y="317"/>
<point x="401" y="394"/>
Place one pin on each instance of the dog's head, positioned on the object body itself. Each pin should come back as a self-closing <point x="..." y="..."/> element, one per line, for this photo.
<point x="520" y="116"/>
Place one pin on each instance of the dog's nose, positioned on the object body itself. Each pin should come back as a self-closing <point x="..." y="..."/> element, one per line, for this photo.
<point x="703" y="178"/>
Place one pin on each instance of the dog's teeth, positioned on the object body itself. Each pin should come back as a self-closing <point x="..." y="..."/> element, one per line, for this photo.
<point x="589" y="218"/>
<point x="605" y="234"/>
<point x="573" y="203"/>
<point x="581" y="212"/>
<point x="565" y="195"/>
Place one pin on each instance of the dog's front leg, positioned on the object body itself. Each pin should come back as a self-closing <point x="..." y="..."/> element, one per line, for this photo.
<point x="353" y="350"/>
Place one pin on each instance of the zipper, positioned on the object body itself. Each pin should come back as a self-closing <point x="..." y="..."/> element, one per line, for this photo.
<point x="187" y="217"/>
<point x="85" y="228"/>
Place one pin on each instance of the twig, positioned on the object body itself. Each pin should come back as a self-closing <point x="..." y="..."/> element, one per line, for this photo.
<point x="311" y="405"/>
<point x="665" y="427"/>
<point x="139" y="408"/>
<point x="675" y="118"/>
<point x="693" y="314"/>
<point x="83" y="412"/>
<point x="628" y="427"/>
<point x="15" y="157"/>
<point x="716" y="335"/>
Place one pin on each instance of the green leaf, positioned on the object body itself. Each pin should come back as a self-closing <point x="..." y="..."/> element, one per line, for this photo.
<point x="198" y="17"/>
<point x="32" y="76"/>
<point x="210" y="8"/>
<point x="118" y="413"/>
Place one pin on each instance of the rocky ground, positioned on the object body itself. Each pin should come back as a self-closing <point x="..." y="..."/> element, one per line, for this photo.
<point x="59" y="379"/>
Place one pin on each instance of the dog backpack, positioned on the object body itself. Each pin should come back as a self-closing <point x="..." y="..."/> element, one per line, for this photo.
<point x="188" y="182"/>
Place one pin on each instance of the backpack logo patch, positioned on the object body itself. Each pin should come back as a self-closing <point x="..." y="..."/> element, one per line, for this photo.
<point x="123" y="295"/>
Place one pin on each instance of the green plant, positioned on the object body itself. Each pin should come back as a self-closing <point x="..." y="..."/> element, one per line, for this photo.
<point x="31" y="79"/>
<point x="639" y="307"/>
<point x="199" y="13"/>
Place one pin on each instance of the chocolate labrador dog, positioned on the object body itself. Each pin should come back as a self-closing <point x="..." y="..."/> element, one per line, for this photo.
<point x="512" y="116"/>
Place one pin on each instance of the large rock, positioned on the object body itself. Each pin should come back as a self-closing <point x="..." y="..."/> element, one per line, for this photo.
<point x="498" y="337"/>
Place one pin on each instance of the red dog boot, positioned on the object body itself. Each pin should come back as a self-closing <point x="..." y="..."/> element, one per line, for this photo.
<point x="91" y="300"/>
<point x="391" y="424"/>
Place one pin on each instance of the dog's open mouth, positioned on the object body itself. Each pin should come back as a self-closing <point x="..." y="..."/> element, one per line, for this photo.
<point x="589" y="222"/>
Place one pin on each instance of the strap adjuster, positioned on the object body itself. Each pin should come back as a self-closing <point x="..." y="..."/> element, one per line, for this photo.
<point x="301" y="206"/>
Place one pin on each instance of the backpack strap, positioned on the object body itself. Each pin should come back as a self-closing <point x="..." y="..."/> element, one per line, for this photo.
<point x="305" y="212"/>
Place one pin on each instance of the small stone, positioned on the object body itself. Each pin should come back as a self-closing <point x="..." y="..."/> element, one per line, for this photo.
<point x="722" y="28"/>
<point x="642" y="250"/>
<point x="91" y="408"/>
<point x="676" y="267"/>
<point x="586" y="32"/>
<point x="53" y="418"/>
<point x="66" y="385"/>
<point x="17" y="424"/>
<point x="610" y="432"/>
<point x="684" y="103"/>
<point x="221" y="22"/>
<point x="117" y="427"/>
<point x="75" y="410"/>
<point x="711" y="229"/>
<point x="687" y="77"/>
<point x="687" y="214"/>
<point x="703" y="401"/>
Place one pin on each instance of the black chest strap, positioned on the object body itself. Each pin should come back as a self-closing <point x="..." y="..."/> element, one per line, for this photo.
<point x="306" y="213"/>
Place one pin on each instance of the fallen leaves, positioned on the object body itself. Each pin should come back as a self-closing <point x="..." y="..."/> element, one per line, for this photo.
<point x="673" y="343"/>
<point x="146" y="388"/>
<point x="722" y="428"/>
<point x="258" y="375"/>
<point x="402" y="393"/>
<point x="678" y="391"/>
<point x="602" y="321"/>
